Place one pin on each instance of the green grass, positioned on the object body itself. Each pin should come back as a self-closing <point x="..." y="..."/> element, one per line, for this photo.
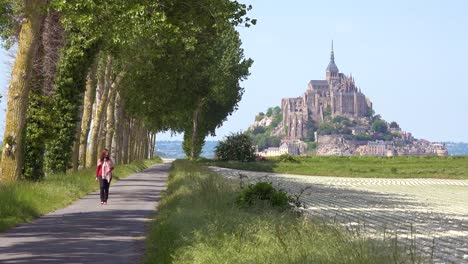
<point x="199" y="222"/>
<point x="455" y="167"/>
<point x="24" y="201"/>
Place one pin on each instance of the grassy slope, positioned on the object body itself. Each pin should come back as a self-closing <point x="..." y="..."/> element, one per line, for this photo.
<point x="198" y="222"/>
<point x="24" y="201"/>
<point x="381" y="167"/>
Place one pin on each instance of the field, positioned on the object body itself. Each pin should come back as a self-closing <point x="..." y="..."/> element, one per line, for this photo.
<point x="452" y="167"/>
<point x="200" y="222"/>
<point x="24" y="201"/>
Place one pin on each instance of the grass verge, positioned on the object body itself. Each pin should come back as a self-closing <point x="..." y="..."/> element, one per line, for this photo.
<point x="199" y="222"/>
<point x="452" y="167"/>
<point x="24" y="201"/>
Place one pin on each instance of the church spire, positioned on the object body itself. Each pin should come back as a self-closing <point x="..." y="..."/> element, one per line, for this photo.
<point x="332" y="68"/>
<point x="332" y="57"/>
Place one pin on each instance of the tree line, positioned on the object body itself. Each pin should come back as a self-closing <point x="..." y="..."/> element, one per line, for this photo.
<point x="95" y="74"/>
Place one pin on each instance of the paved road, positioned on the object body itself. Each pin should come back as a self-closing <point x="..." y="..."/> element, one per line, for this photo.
<point x="434" y="212"/>
<point x="87" y="232"/>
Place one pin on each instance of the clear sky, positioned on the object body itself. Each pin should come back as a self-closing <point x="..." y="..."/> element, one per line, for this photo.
<point x="409" y="57"/>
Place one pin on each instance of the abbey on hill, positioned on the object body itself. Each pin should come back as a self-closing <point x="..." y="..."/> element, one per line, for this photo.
<point x="337" y="94"/>
<point x="333" y="117"/>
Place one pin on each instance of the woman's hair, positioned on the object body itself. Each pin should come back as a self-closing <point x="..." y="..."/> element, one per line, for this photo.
<point x="103" y="155"/>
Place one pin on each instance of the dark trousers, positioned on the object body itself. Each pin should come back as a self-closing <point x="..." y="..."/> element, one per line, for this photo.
<point x="104" y="186"/>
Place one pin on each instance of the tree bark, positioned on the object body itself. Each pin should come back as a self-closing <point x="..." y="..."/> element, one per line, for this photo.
<point x="116" y="141"/>
<point x="76" y="144"/>
<point x="90" y="96"/>
<point x="195" y="121"/>
<point x="100" y="107"/>
<point x="125" y="141"/>
<point x="110" y="119"/>
<point x="12" y="155"/>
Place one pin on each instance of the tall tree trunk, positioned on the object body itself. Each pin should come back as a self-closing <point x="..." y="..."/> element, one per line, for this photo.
<point x="153" y="145"/>
<point x="90" y="96"/>
<point x="103" y="130"/>
<point x="195" y="137"/>
<point x="12" y="155"/>
<point x="125" y="140"/>
<point x="110" y="119"/>
<point x="94" y="140"/>
<point x="116" y="141"/>
<point x="38" y="114"/>
<point x="131" y="140"/>
<point x="103" y="125"/>
<point x="76" y="144"/>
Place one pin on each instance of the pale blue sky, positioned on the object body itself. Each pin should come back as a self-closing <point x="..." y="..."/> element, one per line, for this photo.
<point x="409" y="57"/>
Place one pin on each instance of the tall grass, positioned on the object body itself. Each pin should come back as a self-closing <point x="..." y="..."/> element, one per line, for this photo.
<point x="452" y="167"/>
<point x="24" y="201"/>
<point x="199" y="222"/>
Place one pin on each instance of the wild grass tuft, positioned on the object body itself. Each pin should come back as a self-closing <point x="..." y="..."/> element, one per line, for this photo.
<point x="200" y="222"/>
<point x="24" y="201"/>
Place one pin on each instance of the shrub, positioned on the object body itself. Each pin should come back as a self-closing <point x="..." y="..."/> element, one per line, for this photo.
<point x="288" y="158"/>
<point x="258" y="130"/>
<point x="238" y="147"/>
<point x="380" y="126"/>
<point x="263" y="191"/>
<point x="362" y="137"/>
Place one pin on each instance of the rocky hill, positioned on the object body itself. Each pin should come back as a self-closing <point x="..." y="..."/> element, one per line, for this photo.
<point x="333" y="117"/>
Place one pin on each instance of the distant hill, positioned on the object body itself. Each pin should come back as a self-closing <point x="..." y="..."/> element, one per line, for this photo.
<point x="457" y="148"/>
<point x="173" y="149"/>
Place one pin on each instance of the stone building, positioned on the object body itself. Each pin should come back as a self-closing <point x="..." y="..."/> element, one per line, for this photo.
<point x="337" y="95"/>
<point x="291" y="147"/>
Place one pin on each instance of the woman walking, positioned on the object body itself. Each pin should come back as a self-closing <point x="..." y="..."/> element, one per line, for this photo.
<point x="104" y="175"/>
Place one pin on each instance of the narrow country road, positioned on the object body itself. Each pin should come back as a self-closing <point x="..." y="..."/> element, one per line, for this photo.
<point x="87" y="232"/>
<point x="431" y="212"/>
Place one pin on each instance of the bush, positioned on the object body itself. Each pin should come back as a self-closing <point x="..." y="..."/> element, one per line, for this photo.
<point x="380" y="126"/>
<point x="237" y="147"/>
<point x="258" y="130"/>
<point x="263" y="191"/>
<point x="362" y="137"/>
<point x="287" y="158"/>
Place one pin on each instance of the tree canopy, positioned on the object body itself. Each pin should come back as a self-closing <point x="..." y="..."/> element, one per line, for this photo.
<point x="158" y="65"/>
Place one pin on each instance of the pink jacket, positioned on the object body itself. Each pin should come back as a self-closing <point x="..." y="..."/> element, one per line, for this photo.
<point x="104" y="169"/>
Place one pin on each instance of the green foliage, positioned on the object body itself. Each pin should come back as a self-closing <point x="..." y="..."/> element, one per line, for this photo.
<point x="237" y="146"/>
<point x="38" y="131"/>
<point x="311" y="128"/>
<point x="380" y="126"/>
<point x="394" y="125"/>
<point x="258" y="130"/>
<point x="388" y="137"/>
<point x="277" y="117"/>
<point x="311" y="146"/>
<point x="327" y="112"/>
<point x="10" y="10"/>
<point x="275" y="112"/>
<point x="328" y="128"/>
<point x="260" y="116"/>
<point x="288" y="158"/>
<point x="262" y="136"/>
<point x="363" y="137"/>
<point x="263" y="141"/>
<point x="187" y="144"/>
<point x="263" y="191"/>
<point x="77" y="56"/>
